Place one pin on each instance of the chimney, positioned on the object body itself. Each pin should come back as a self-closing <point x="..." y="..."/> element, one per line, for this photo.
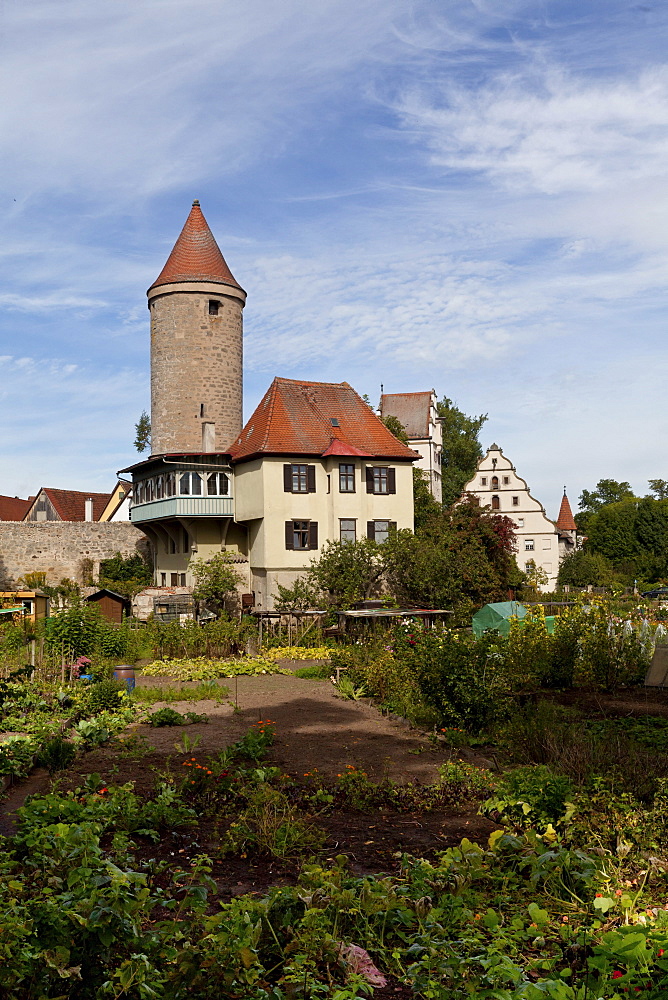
<point x="88" y="505"/>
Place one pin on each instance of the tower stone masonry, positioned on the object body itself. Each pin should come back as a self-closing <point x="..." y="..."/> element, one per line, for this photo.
<point x="196" y="311"/>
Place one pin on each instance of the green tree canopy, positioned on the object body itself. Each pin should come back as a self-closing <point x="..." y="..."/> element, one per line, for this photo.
<point x="126" y="575"/>
<point x="143" y="432"/>
<point x="461" y="448"/>
<point x="215" y="580"/>
<point x="586" y="569"/>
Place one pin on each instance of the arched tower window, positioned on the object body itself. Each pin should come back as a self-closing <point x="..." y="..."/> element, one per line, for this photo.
<point x="495" y="503"/>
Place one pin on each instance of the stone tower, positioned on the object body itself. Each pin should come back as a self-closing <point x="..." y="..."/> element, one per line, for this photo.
<point x="196" y="346"/>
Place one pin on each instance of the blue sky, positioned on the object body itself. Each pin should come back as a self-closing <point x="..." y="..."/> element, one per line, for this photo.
<point x="469" y="196"/>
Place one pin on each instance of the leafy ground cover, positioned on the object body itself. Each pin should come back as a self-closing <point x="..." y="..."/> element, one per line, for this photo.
<point x="293" y="858"/>
<point x="100" y="897"/>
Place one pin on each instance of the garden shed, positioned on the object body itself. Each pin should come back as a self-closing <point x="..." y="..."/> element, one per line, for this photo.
<point x="112" y="605"/>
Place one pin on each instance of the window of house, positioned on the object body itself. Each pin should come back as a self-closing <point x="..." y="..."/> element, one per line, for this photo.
<point x="183" y="579"/>
<point x="214" y="307"/>
<point x="506" y="481"/>
<point x="548" y="568"/>
<point x="379" y="531"/>
<point x="380" y="479"/>
<point x="495" y="482"/>
<point x="184" y="484"/>
<point x="496" y="503"/>
<point x="301" y="535"/>
<point x="520" y="522"/>
<point x="483" y="481"/>
<point x="347" y="529"/>
<point x="191" y="484"/>
<point x="159" y="487"/>
<point x="346" y="478"/>
<point x="528" y="544"/>
<point x="163" y="579"/>
<point x="174" y="580"/>
<point x="547" y="543"/>
<point x="218" y="485"/>
<point x="170" y="484"/>
<point x="516" y="501"/>
<point x="299" y="478"/>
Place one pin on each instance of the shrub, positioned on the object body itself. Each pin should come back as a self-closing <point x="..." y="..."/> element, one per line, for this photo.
<point x="104" y="696"/>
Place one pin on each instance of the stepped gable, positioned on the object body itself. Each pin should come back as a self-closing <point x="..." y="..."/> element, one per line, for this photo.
<point x="566" y="521"/>
<point x="318" y="419"/>
<point x="196" y="255"/>
<point x="411" y="409"/>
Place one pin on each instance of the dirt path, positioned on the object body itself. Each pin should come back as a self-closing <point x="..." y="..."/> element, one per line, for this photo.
<point x="314" y="729"/>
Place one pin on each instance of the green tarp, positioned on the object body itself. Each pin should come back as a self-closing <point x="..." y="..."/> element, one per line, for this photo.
<point x="497" y="617"/>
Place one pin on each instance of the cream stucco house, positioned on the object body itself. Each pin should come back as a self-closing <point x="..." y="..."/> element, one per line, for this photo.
<point x="497" y="485"/>
<point x="313" y="462"/>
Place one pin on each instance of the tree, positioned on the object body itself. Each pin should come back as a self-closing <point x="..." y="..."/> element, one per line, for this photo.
<point x="590" y="502"/>
<point x="461" y="448"/>
<point x="659" y="487"/>
<point x="143" y="432"/>
<point x="215" y="580"/>
<point x="586" y="569"/>
<point x="295" y="600"/>
<point x="460" y="559"/>
<point x="612" y="531"/>
<point x="395" y="426"/>
<point x="347" y="572"/>
<point x="425" y="507"/>
<point x="126" y="575"/>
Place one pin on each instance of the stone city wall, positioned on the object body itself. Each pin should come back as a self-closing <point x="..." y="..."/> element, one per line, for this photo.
<point x="61" y="549"/>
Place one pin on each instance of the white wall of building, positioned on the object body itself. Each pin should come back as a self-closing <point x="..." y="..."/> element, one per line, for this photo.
<point x="497" y="485"/>
<point x="262" y="503"/>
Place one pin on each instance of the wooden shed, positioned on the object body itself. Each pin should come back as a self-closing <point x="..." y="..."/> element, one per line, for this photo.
<point x="112" y="605"/>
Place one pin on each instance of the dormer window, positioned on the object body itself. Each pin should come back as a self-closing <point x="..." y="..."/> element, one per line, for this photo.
<point x="214" y="307"/>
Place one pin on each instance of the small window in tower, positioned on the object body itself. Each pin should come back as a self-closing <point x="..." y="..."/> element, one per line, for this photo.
<point x="214" y="306"/>
<point x="201" y="409"/>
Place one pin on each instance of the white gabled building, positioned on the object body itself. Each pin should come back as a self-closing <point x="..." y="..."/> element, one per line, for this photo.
<point x="497" y="485"/>
<point x="418" y="413"/>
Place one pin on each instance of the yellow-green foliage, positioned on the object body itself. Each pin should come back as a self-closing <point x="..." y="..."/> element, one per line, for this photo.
<point x="199" y="668"/>
<point x="298" y="653"/>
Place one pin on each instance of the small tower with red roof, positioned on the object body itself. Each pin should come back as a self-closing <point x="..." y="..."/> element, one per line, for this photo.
<point x="566" y="527"/>
<point x="196" y="310"/>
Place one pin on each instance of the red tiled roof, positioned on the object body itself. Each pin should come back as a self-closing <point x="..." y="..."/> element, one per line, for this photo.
<point x="339" y="447"/>
<point x="565" y="521"/>
<point x="70" y="505"/>
<point x="13" y="509"/>
<point x="196" y="255"/>
<point x="410" y="408"/>
<point x="295" y="418"/>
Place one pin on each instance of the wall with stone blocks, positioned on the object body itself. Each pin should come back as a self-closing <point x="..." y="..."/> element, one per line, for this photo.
<point x="62" y="548"/>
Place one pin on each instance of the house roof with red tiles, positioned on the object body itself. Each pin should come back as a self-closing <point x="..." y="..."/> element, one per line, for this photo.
<point x="318" y="419"/>
<point x="566" y="521"/>
<point x="13" y="508"/>
<point x="411" y="409"/>
<point x="196" y="255"/>
<point x="70" y="505"/>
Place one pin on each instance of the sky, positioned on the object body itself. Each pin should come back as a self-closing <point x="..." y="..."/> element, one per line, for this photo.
<point x="465" y="195"/>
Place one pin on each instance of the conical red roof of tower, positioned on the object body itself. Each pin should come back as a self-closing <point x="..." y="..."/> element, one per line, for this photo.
<point x="196" y="255"/>
<point x="566" y="521"/>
